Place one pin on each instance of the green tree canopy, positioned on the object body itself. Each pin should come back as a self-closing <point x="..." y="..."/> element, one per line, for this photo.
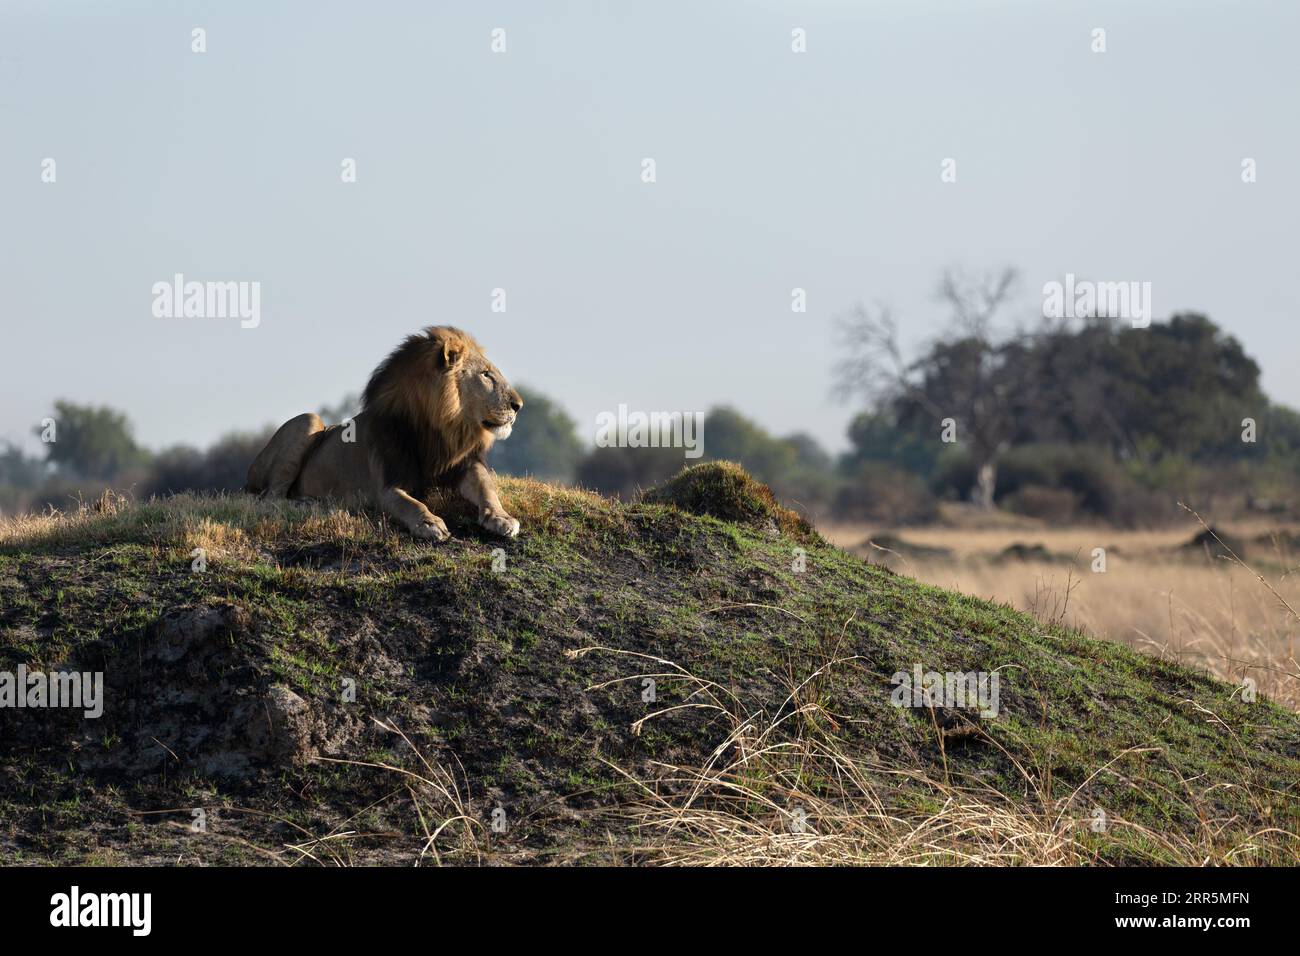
<point x="92" y="442"/>
<point x="20" y="470"/>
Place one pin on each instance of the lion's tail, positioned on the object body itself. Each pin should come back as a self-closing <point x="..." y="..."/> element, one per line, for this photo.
<point x="278" y="465"/>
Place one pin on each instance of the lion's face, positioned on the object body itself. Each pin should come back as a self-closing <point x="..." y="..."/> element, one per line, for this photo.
<point x="442" y="384"/>
<point x="486" y="398"/>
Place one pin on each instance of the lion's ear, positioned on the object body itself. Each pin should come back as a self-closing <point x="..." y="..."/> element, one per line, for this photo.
<point x="450" y="347"/>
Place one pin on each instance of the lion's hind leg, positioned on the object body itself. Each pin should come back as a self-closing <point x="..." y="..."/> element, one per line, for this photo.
<point x="278" y="465"/>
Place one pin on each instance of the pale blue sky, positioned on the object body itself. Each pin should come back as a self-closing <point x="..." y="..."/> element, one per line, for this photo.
<point x="479" y="170"/>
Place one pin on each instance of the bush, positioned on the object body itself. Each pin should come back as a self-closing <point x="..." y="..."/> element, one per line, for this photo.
<point x="625" y="472"/>
<point x="92" y="442"/>
<point x="883" y="493"/>
<point x="1057" y="505"/>
<point x="1097" y="486"/>
<point x="223" y="467"/>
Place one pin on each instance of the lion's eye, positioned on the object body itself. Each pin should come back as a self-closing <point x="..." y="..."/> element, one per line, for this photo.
<point x="488" y="376"/>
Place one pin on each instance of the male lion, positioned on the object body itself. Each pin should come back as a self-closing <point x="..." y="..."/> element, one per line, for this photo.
<point x="430" y="412"/>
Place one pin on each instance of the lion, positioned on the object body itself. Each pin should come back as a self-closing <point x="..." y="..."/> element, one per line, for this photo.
<point x="430" y="413"/>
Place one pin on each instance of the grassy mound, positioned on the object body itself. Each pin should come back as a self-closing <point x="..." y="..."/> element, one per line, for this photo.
<point x="724" y="490"/>
<point x="696" y="677"/>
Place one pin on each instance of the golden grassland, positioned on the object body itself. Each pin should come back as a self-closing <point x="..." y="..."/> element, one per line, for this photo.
<point x="1156" y="594"/>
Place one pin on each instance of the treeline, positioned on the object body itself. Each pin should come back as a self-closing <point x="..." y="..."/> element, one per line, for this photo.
<point x="94" y="448"/>
<point x="89" y="449"/>
<point x="1090" y="421"/>
<point x="1094" y="419"/>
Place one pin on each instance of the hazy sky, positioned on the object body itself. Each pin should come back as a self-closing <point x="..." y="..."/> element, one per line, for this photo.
<point x="522" y="170"/>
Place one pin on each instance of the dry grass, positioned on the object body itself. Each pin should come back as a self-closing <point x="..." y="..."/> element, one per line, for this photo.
<point x="1228" y="617"/>
<point x="790" y="794"/>
<point x="237" y="524"/>
<point x="981" y="541"/>
<point x="446" y="828"/>
<point x="786" y="793"/>
<point x="439" y="800"/>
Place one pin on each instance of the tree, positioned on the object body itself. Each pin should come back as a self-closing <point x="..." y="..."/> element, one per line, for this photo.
<point x="808" y="453"/>
<point x="92" y="442"/>
<point x="222" y="467"/>
<point x="19" y="470"/>
<point x="729" y="436"/>
<point x="973" y="376"/>
<point x="544" y="442"/>
<point x="879" y="438"/>
<point x="1069" y="386"/>
<point x="1173" y="388"/>
<point x="796" y="467"/>
<point x="1182" y="388"/>
<point x="625" y="472"/>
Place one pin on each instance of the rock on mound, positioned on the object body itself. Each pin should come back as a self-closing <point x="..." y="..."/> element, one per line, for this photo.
<point x="1019" y="551"/>
<point x="724" y="490"/>
<point x="197" y="690"/>
<point x="1216" y="544"/>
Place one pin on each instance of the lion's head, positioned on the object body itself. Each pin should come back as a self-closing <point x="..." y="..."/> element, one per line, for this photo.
<point x="485" y="397"/>
<point x="440" y="390"/>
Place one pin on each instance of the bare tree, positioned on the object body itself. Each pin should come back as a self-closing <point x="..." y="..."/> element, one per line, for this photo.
<point x="968" y="374"/>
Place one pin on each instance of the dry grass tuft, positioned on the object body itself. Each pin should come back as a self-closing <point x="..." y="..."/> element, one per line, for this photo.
<point x="789" y="793"/>
<point x="440" y="803"/>
<point x="219" y="522"/>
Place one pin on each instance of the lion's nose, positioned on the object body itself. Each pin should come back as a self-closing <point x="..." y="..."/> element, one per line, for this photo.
<point x="516" y="403"/>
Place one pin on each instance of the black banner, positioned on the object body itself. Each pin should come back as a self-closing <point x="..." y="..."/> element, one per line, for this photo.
<point x="214" y="905"/>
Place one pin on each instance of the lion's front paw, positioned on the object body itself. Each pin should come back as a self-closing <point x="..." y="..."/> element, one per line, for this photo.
<point x="502" y="524"/>
<point x="431" y="528"/>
